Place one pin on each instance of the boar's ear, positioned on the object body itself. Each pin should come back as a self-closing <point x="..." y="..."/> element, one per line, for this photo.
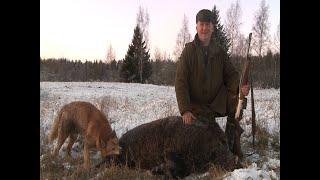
<point x="102" y="143"/>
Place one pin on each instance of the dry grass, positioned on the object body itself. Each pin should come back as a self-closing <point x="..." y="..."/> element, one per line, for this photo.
<point x="262" y="139"/>
<point x="266" y="141"/>
<point x="275" y="142"/>
<point x="123" y="172"/>
<point x="216" y="172"/>
<point x="54" y="167"/>
<point x="57" y="167"/>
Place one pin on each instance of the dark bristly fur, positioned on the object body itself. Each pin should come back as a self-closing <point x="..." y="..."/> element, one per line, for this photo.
<point x="170" y="147"/>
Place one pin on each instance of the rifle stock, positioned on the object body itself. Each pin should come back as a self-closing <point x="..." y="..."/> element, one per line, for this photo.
<point x="244" y="80"/>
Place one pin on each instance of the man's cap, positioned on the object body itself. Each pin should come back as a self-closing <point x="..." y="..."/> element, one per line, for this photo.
<point x="204" y="15"/>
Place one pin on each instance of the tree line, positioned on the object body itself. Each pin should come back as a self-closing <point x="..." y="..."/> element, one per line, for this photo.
<point x="266" y="70"/>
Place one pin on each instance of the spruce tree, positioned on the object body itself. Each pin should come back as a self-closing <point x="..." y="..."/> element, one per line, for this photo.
<point x="219" y="32"/>
<point x="137" y="58"/>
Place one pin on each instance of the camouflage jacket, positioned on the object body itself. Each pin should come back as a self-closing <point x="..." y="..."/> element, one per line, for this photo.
<point x="203" y="89"/>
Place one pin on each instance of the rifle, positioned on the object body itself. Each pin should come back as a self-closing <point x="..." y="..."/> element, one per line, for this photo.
<point x="242" y="103"/>
<point x="253" y="118"/>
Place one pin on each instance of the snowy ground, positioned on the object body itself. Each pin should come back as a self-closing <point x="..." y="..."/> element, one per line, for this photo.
<point x="129" y="105"/>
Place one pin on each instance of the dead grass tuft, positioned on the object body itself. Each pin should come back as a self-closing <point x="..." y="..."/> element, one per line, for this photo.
<point x="217" y="172"/>
<point x="55" y="167"/>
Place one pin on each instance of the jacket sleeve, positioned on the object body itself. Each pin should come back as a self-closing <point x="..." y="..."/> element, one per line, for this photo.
<point x="230" y="75"/>
<point x="181" y="83"/>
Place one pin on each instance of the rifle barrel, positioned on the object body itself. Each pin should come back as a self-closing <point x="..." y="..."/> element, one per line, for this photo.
<point x="253" y="118"/>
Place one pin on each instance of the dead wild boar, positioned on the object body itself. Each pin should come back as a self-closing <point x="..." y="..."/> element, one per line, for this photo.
<point x="167" y="146"/>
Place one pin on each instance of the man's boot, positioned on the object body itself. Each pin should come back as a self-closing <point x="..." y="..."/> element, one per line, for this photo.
<point x="233" y="132"/>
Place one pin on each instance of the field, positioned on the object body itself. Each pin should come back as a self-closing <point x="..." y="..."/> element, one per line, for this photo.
<point x="128" y="105"/>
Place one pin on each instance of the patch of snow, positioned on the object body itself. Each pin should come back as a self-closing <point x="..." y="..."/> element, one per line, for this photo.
<point x="252" y="172"/>
<point x="273" y="163"/>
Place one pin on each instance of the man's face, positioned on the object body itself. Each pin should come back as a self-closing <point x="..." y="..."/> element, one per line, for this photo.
<point x="204" y="30"/>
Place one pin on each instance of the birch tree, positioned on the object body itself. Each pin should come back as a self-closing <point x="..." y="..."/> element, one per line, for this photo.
<point x="277" y="39"/>
<point x="111" y="55"/>
<point x="232" y="26"/>
<point x="261" y="29"/>
<point x="183" y="37"/>
<point x="143" y="24"/>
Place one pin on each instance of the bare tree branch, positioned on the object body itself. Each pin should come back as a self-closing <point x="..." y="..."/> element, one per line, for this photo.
<point x="143" y="23"/>
<point x="261" y="30"/>
<point x="232" y="26"/>
<point x="110" y="54"/>
<point x="183" y="37"/>
<point x="277" y="39"/>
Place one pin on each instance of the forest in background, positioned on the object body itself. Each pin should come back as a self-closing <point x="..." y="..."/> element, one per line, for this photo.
<point x="266" y="70"/>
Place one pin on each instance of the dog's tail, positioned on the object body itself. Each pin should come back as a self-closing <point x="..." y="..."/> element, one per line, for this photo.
<point x="54" y="129"/>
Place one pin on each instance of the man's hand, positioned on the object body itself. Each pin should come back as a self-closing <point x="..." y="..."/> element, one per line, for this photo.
<point x="245" y="90"/>
<point x="188" y="117"/>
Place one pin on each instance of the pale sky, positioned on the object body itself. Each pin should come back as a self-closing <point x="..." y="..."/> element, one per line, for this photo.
<point x="83" y="29"/>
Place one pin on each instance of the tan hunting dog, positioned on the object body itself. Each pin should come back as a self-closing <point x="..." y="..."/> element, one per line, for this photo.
<point x="84" y="118"/>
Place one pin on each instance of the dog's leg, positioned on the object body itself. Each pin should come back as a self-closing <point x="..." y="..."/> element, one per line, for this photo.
<point x="62" y="136"/>
<point x="72" y="139"/>
<point x="86" y="155"/>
